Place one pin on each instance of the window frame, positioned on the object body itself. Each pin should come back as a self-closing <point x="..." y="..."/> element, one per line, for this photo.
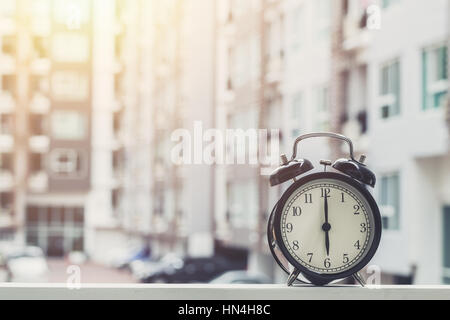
<point x="390" y="98"/>
<point x="440" y="85"/>
<point x="384" y="203"/>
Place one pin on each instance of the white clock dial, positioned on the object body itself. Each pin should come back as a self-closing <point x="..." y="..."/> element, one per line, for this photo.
<point x="327" y="226"/>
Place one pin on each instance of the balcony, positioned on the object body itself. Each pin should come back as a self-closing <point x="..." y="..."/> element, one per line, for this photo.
<point x="356" y="37"/>
<point x="7" y="64"/>
<point x="38" y="182"/>
<point x="6" y="143"/>
<point x="6" y="180"/>
<point x="200" y="292"/>
<point x="7" y="26"/>
<point x="6" y="220"/>
<point x="41" y="66"/>
<point x="39" y="144"/>
<point x="7" y="102"/>
<point x="356" y="129"/>
<point x="40" y="104"/>
<point x="274" y="68"/>
<point x="41" y="27"/>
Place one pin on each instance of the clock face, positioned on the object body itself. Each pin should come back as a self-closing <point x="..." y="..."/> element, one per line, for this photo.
<point x="327" y="226"/>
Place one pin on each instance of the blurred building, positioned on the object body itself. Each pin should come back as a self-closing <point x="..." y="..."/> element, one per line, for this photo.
<point x="45" y="122"/>
<point x="273" y="65"/>
<point x="391" y="87"/>
<point x="241" y="104"/>
<point x="91" y="93"/>
<point x="182" y="94"/>
<point x="154" y="75"/>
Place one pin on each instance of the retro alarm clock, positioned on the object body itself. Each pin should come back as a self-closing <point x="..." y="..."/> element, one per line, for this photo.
<point x="326" y="226"/>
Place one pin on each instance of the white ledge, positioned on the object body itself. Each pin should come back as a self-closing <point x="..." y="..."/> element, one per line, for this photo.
<point x="218" y="292"/>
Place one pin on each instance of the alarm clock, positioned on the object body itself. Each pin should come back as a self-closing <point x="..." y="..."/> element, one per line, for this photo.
<point x="326" y="226"/>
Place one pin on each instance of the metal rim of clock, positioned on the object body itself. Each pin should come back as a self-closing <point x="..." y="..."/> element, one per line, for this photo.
<point x="316" y="278"/>
<point x="271" y="240"/>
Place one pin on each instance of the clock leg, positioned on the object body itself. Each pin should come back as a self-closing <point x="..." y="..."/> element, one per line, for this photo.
<point x="292" y="277"/>
<point x="357" y="276"/>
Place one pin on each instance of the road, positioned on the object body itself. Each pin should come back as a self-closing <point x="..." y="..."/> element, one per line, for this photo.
<point x="90" y="273"/>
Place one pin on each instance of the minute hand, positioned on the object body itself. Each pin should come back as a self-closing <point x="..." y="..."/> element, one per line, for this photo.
<point x="327" y="227"/>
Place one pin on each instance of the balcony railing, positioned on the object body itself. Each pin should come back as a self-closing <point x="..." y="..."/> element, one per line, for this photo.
<point x="6" y="180"/>
<point x="218" y="292"/>
<point x="38" y="182"/>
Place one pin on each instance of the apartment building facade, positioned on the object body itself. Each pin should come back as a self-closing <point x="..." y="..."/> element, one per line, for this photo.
<point x="46" y="125"/>
<point x="273" y="73"/>
<point x="394" y="89"/>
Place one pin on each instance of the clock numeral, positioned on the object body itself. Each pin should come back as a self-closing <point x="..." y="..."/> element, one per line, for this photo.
<point x="363" y="228"/>
<point x="358" y="245"/>
<point x="308" y="198"/>
<point x="326" y="192"/>
<point x="295" y="245"/>
<point x="289" y="228"/>
<point x="357" y="208"/>
<point x="296" y="211"/>
<point x="343" y="197"/>
<point x="310" y="255"/>
<point x="345" y="259"/>
<point x="327" y="263"/>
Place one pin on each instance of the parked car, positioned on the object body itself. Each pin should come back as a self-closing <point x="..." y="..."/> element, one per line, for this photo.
<point x="26" y="265"/>
<point x="124" y="258"/>
<point x="192" y="270"/>
<point x="241" y="277"/>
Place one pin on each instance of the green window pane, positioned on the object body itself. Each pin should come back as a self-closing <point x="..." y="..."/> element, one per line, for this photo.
<point x="446" y="244"/>
<point x="424" y="80"/>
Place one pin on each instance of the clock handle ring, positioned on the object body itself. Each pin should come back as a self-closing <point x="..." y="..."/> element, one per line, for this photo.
<point x="322" y="135"/>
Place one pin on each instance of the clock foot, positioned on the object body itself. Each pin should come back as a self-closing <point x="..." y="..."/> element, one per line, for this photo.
<point x="358" y="278"/>
<point x="292" y="277"/>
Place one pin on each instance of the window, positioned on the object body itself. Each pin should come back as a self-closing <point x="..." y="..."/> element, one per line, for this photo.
<point x="296" y="115"/>
<point x="390" y="89"/>
<point x="446" y="245"/>
<point x="6" y="161"/>
<point x="323" y="18"/>
<point x="435" y="77"/>
<point x="242" y="63"/>
<point x="66" y="162"/>
<point x="9" y="45"/>
<point x="41" y="47"/>
<point x="6" y="200"/>
<point x="243" y="203"/>
<point x="37" y="162"/>
<point x="388" y="3"/>
<point x="390" y="201"/>
<point x="322" y="103"/>
<point x="6" y="124"/>
<point x="68" y="125"/>
<point x="298" y="27"/>
<point x="70" y="86"/>
<point x="9" y="83"/>
<point x="57" y="230"/>
<point x="274" y="42"/>
<point x="37" y="124"/>
<point x="39" y="84"/>
<point x="70" y="48"/>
